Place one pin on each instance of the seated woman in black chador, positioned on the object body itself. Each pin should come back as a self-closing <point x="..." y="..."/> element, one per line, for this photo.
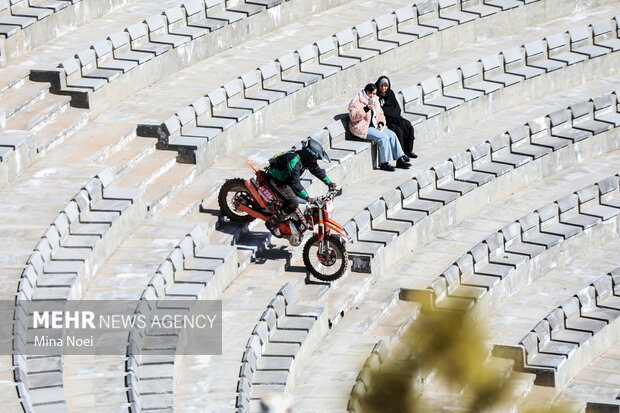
<point x="395" y="122"/>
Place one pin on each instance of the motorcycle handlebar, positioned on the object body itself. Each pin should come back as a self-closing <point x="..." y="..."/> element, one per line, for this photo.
<point x="331" y="194"/>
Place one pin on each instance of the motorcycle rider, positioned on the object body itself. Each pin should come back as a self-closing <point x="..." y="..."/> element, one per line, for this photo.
<point x="284" y="173"/>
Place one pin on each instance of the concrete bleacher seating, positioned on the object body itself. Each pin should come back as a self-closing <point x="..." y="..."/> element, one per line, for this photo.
<point x="377" y="356"/>
<point x="455" y="290"/>
<point x="160" y="45"/>
<point x="570" y="337"/>
<point x="80" y="238"/>
<point x="477" y="273"/>
<point x="419" y="102"/>
<point x="26" y="24"/>
<point x="282" y="339"/>
<point x="32" y="122"/>
<point x="427" y="192"/>
<point x="235" y="118"/>
<point x="192" y="271"/>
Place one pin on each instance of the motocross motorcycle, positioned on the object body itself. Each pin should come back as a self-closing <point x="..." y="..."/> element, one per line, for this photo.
<point x="324" y="255"/>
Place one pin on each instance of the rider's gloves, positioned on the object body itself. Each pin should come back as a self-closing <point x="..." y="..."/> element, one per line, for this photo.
<point x="331" y="186"/>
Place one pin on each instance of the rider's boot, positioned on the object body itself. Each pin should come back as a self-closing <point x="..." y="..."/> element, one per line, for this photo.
<point x="273" y="223"/>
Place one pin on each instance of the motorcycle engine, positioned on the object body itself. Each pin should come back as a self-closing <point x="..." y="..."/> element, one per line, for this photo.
<point x="296" y="236"/>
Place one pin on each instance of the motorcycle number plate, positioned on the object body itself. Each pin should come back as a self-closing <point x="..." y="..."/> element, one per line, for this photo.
<point x="266" y="194"/>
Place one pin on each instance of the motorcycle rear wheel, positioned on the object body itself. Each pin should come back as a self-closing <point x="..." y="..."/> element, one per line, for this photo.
<point x="330" y="269"/>
<point x="232" y="189"/>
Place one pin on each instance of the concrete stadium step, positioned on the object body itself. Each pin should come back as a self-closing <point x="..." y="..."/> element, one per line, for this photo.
<point x="168" y="185"/>
<point x="63" y="126"/>
<point x="144" y="173"/>
<point x="539" y="396"/>
<point x="39" y="126"/>
<point x="436" y="394"/>
<point x="8" y="396"/>
<point x="36" y="116"/>
<point x="20" y="95"/>
<point x="344" y="354"/>
<point x="280" y="342"/>
<point x="523" y="387"/>
<point x="130" y="154"/>
<point x="597" y="383"/>
<point x="12" y="76"/>
<point x="17" y="149"/>
<point x="84" y="372"/>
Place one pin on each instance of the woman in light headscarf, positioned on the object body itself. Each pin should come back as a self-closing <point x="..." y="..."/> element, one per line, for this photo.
<point x="366" y="121"/>
<point x="395" y="122"/>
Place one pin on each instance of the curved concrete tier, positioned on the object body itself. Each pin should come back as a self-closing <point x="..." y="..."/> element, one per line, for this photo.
<point x="192" y="271"/>
<point x="596" y="384"/>
<point x="78" y="241"/>
<point x="128" y="60"/>
<point x="465" y="295"/>
<point x="224" y="118"/>
<point x="280" y="342"/>
<point x="537" y="142"/>
<point x="26" y="24"/>
<point x="570" y="337"/>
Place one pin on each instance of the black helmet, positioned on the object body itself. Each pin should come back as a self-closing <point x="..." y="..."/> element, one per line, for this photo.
<point x="311" y="151"/>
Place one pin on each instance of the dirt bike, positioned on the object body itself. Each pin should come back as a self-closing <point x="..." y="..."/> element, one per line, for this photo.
<point x="243" y="200"/>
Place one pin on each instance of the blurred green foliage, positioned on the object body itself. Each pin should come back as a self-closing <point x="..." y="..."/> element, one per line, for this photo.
<point x="447" y="348"/>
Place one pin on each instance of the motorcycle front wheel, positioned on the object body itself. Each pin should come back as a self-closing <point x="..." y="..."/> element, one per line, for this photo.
<point x="329" y="266"/>
<point x="234" y="191"/>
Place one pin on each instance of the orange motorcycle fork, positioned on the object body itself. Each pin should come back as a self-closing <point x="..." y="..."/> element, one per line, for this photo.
<point x="331" y="224"/>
